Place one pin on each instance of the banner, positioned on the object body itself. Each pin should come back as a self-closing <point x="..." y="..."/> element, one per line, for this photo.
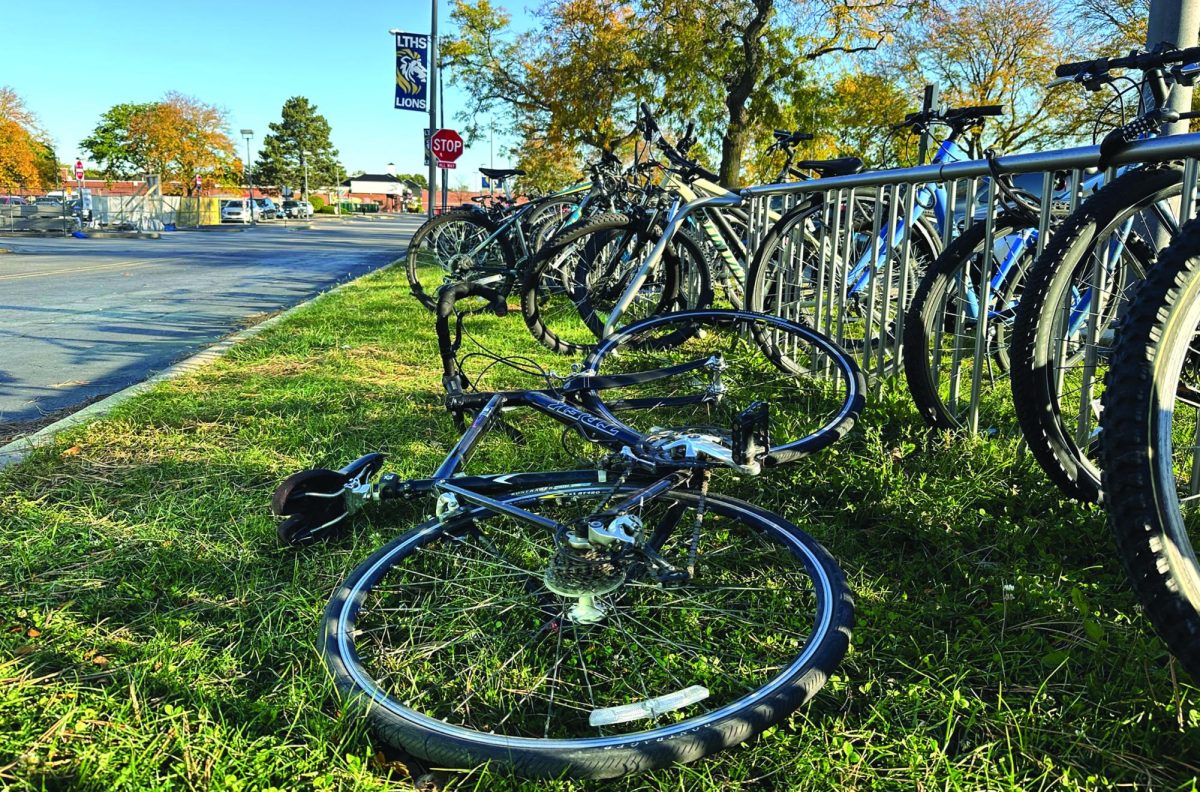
<point x="412" y="71"/>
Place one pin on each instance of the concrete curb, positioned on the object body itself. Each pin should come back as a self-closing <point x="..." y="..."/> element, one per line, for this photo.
<point x="19" y="449"/>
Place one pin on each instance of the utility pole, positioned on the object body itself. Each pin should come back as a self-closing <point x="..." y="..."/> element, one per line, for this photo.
<point x="249" y="133"/>
<point x="445" y="171"/>
<point x="433" y="97"/>
<point x="1176" y="22"/>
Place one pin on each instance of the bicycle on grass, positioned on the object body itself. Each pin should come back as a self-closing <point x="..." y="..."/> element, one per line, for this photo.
<point x="608" y="620"/>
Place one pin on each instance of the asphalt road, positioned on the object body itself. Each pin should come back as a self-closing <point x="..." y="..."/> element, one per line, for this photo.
<point x="80" y="318"/>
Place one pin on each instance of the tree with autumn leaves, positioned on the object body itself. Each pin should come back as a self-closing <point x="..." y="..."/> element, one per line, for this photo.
<point x="843" y="69"/>
<point x="27" y="161"/>
<point x="178" y="138"/>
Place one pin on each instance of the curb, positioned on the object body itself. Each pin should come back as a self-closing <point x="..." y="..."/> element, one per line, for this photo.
<point x="19" y="449"/>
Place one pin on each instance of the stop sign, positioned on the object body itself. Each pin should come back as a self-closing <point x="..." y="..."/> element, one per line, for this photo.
<point x="446" y="145"/>
<point x="78" y="169"/>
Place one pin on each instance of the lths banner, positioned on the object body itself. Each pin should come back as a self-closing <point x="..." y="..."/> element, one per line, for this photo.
<point x="412" y="71"/>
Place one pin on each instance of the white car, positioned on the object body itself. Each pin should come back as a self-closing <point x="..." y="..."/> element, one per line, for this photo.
<point x="301" y="209"/>
<point x="235" y="212"/>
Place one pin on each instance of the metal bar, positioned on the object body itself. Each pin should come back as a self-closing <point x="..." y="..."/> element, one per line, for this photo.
<point x="498" y="506"/>
<point x="1159" y="149"/>
<point x="985" y="303"/>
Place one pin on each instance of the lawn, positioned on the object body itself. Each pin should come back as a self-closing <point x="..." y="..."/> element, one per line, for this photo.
<point x="155" y="635"/>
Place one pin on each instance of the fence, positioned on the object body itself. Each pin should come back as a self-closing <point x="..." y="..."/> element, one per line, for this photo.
<point x="848" y="252"/>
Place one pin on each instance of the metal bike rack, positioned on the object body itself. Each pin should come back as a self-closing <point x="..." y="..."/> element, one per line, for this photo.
<point x="868" y="320"/>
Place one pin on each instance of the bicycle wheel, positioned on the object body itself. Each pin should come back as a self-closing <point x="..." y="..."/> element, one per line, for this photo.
<point x="1062" y="335"/>
<point x="720" y="364"/>
<point x="800" y="272"/>
<point x="1151" y="425"/>
<point x="939" y="330"/>
<point x="454" y="247"/>
<point x="599" y="253"/>
<point x="452" y="641"/>
<point x="547" y="220"/>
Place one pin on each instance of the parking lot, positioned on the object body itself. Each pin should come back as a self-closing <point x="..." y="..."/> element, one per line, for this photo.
<point x="80" y="318"/>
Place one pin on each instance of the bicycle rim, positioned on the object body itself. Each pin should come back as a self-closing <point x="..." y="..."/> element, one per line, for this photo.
<point x="453" y="641"/>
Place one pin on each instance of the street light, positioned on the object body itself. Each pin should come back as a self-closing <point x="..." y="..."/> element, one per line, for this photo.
<point x="249" y="133"/>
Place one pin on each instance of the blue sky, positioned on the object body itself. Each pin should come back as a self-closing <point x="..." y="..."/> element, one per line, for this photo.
<point x="71" y="62"/>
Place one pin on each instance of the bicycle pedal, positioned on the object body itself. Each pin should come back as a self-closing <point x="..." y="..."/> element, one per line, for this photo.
<point x="752" y="434"/>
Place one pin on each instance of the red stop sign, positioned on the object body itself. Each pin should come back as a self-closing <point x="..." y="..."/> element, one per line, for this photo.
<point x="78" y="169"/>
<point x="446" y="145"/>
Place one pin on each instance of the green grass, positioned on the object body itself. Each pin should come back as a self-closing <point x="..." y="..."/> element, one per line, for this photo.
<point x="154" y="635"/>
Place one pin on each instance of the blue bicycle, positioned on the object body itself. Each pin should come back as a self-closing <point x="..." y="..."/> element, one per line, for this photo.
<point x="806" y="257"/>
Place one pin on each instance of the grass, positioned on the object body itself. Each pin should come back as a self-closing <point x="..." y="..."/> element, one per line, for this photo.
<point x="153" y="634"/>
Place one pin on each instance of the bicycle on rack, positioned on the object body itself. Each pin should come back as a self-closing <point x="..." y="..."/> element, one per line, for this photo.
<point x="1078" y="287"/>
<point x="638" y="263"/>
<point x="491" y="242"/>
<point x="599" y="621"/>
<point x="803" y="258"/>
<point x="1151" y="458"/>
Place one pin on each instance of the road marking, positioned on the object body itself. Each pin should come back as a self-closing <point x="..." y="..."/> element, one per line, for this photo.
<point x="131" y="264"/>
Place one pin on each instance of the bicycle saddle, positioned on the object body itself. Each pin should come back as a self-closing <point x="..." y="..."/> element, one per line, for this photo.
<point x="501" y="173"/>
<point x="843" y="166"/>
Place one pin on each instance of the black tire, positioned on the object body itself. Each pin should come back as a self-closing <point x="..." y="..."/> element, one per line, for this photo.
<point x="813" y="389"/>
<point x="1147" y="477"/>
<point x="551" y="295"/>
<point x="1044" y="356"/>
<point x="939" y="336"/>
<point x="439" y="253"/>
<point x="546" y="220"/>
<point x="493" y="723"/>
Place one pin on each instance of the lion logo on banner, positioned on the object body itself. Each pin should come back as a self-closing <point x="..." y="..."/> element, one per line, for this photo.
<point x="411" y="74"/>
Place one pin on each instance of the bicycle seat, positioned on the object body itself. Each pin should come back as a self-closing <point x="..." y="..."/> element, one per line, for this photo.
<point x="501" y="173"/>
<point x="843" y="166"/>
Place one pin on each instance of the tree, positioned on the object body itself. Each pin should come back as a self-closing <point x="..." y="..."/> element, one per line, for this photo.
<point x="416" y="178"/>
<point x="300" y="138"/>
<point x="732" y="65"/>
<point x="577" y="79"/>
<point x="177" y="138"/>
<point x="1001" y="52"/>
<point x="181" y="138"/>
<point x="112" y="148"/>
<point x="24" y="151"/>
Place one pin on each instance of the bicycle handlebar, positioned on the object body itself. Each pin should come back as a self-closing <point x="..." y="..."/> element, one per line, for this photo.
<point x="954" y="117"/>
<point x="1144" y="61"/>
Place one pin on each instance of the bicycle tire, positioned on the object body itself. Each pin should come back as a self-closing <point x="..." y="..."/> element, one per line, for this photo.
<point x="560" y="326"/>
<point x="348" y="638"/>
<point x="429" y="263"/>
<point x="1037" y="357"/>
<point x="933" y="317"/>
<point x="1141" y="485"/>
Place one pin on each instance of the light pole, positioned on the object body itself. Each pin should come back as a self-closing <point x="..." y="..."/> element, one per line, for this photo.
<point x="249" y="133"/>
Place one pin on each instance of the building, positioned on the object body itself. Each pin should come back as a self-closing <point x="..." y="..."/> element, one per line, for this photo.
<point x="385" y="189"/>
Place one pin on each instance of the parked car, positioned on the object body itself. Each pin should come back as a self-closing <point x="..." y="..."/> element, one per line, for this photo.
<point x="48" y="200"/>
<point x="301" y="209"/>
<point x="11" y="200"/>
<point x="236" y="211"/>
<point x="266" y="209"/>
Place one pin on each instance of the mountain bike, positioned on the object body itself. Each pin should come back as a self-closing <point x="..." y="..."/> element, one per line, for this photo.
<point x="1151" y="467"/>
<point x="600" y="621"/>
<point x="1077" y="289"/>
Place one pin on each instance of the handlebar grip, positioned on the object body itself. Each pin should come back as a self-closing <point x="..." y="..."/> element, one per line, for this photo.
<point x="1071" y="69"/>
<point x="990" y="110"/>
